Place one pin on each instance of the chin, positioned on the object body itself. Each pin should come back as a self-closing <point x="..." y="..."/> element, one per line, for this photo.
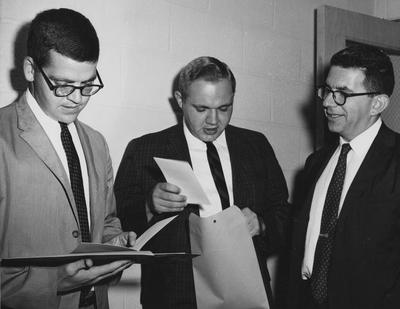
<point x="206" y="139"/>
<point x="68" y="119"/>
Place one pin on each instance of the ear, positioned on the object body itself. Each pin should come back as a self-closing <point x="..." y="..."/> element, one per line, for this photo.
<point x="379" y="104"/>
<point x="29" y="69"/>
<point x="178" y="98"/>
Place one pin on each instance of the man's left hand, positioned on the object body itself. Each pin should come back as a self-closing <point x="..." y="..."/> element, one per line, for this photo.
<point x="252" y="221"/>
<point x="125" y="239"/>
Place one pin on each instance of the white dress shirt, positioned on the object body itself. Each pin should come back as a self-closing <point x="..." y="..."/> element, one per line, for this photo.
<point x="359" y="148"/>
<point x="53" y="131"/>
<point x="201" y="168"/>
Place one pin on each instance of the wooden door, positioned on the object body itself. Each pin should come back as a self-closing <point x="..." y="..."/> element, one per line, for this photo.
<point x="337" y="29"/>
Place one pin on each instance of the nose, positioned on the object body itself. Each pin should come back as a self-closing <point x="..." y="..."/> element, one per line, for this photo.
<point x="212" y="116"/>
<point x="75" y="96"/>
<point x="328" y="101"/>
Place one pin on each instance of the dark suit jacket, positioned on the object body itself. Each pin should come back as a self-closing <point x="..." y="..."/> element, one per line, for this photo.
<point x="258" y="183"/>
<point x="365" y="265"/>
<point x="38" y="215"/>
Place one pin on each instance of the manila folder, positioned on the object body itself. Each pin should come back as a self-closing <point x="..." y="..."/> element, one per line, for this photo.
<point x="226" y="274"/>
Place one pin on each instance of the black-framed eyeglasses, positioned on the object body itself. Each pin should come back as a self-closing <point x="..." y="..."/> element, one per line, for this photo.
<point x="65" y="90"/>
<point x="339" y="96"/>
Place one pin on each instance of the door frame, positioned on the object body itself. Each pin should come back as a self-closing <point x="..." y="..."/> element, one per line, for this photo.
<point x="335" y="28"/>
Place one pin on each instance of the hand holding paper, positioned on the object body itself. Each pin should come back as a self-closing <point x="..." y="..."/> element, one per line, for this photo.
<point x="166" y="198"/>
<point x="181" y="175"/>
<point x="253" y="223"/>
<point x="82" y="273"/>
<point x="125" y="239"/>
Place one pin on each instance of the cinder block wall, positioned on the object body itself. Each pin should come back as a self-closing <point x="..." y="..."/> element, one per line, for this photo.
<point x="389" y="9"/>
<point x="269" y="45"/>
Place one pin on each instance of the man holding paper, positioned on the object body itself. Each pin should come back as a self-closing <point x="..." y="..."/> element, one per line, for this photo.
<point x="234" y="166"/>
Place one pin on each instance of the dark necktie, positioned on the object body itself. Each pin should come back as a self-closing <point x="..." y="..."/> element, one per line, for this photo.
<point x="75" y="177"/>
<point x="218" y="174"/>
<point x="319" y="278"/>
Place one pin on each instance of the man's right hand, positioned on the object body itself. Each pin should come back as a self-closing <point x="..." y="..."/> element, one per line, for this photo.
<point x="166" y="198"/>
<point x="82" y="273"/>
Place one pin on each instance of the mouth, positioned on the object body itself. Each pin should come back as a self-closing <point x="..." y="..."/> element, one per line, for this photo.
<point x="331" y="115"/>
<point x="74" y="108"/>
<point x="210" y="131"/>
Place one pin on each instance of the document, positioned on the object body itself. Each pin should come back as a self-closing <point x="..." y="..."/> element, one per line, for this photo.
<point x="102" y="253"/>
<point x="226" y="271"/>
<point x="180" y="173"/>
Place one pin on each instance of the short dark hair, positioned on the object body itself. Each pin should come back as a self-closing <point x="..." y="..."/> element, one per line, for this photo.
<point x="204" y="68"/>
<point x="65" y="31"/>
<point x="375" y="64"/>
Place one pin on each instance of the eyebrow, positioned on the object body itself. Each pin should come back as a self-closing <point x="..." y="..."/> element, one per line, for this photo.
<point x="341" y="88"/>
<point x="204" y="106"/>
<point x="55" y="79"/>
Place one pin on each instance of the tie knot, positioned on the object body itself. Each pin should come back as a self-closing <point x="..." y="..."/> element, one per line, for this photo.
<point x="210" y="145"/>
<point x="345" y="149"/>
<point x="63" y="125"/>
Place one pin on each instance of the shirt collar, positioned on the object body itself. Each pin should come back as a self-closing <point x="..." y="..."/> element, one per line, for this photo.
<point x="362" y="142"/>
<point x="44" y="120"/>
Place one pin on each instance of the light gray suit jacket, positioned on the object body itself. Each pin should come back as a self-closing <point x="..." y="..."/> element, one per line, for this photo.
<point x="38" y="215"/>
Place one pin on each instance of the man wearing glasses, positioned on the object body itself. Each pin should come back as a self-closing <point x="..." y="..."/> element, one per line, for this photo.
<point x="56" y="182"/>
<point x="346" y="234"/>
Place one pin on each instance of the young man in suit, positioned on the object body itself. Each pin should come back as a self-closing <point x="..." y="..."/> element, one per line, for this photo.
<point x="346" y="234"/>
<point x="56" y="182"/>
<point x="253" y="179"/>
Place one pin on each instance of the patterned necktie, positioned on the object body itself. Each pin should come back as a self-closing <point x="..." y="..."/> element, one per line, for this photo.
<point x="319" y="278"/>
<point x="218" y="174"/>
<point x="75" y="176"/>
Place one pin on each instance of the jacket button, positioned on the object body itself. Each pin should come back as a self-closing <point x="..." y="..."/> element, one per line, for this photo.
<point x="75" y="234"/>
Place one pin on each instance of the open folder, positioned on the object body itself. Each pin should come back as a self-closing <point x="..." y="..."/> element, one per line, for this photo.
<point x="103" y="253"/>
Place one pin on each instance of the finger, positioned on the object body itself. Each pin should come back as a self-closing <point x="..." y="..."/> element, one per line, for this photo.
<point x="111" y="274"/>
<point x="107" y="268"/>
<point x="169" y="187"/>
<point x="103" y="271"/>
<point x="245" y="212"/>
<point x="72" y="268"/>
<point x="169" y="196"/>
<point x="165" y="206"/>
<point x="131" y="239"/>
<point x="87" y="266"/>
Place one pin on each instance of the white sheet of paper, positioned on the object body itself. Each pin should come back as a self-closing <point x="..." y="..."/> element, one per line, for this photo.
<point x="150" y="232"/>
<point x="181" y="174"/>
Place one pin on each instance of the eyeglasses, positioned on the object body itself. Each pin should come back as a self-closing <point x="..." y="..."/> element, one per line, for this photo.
<point x="66" y="90"/>
<point x="339" y="96"/>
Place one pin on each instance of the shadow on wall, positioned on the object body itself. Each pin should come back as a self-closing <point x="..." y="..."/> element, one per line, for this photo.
<point x="172" y="101"/>
<point x="297" y="198"/>
<point x="309" y="113"/>
<point x="17" y="78"/>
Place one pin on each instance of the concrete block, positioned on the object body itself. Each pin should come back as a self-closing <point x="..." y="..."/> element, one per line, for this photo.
<point x="269" y="53"/>
<point x="201" y="5"/>
<point x="254" y="11"/>
<point x="292" y="103"/>
<point x="253" y="98"/>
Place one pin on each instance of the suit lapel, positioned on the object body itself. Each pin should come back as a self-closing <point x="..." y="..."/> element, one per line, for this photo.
<point x="243" y="190"/>
<point x="373" y="165"/>
<point x="34" y="135"/>
<point x="177" y="145"/>
<point x="313" y="174"/>
<point x="91" y="170"/>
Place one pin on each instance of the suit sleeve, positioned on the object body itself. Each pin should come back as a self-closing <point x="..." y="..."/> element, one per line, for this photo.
<point x="130" y="192"/>
<point x="112" y="225"/>
<point x="274" y="208"/>
<point x="29" y="287"/>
